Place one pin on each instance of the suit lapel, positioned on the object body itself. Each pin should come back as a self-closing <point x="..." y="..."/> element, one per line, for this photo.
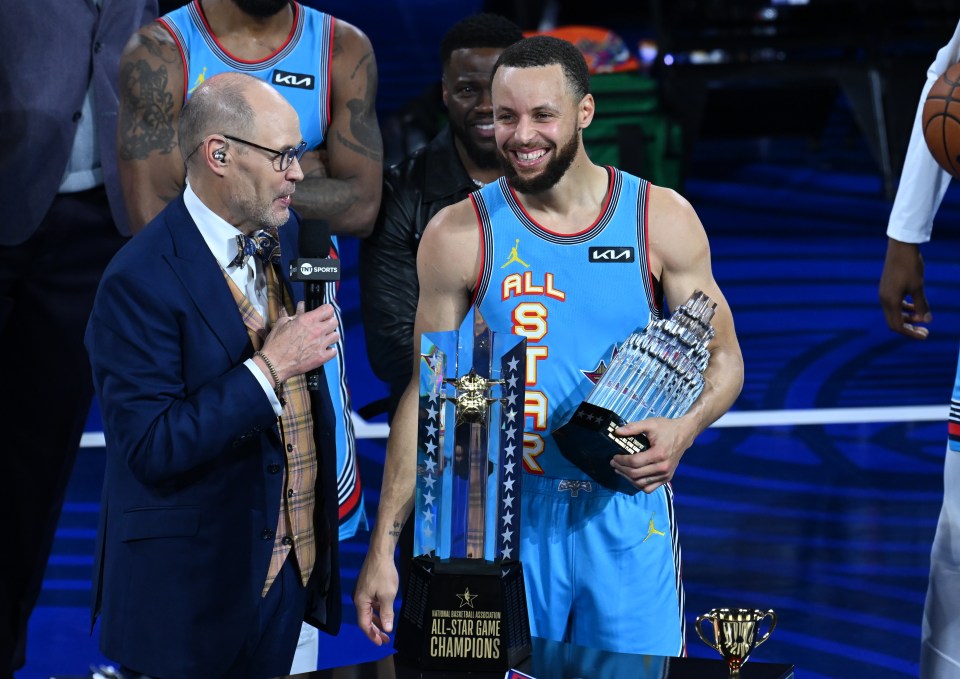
<point x="289" y="234"/>
<point x="203" y="281"/>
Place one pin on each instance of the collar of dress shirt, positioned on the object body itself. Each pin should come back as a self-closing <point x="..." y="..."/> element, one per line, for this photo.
<point x="219" y="235"/>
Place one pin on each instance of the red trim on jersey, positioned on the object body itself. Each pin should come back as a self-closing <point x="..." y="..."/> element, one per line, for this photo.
<point x="183" y="57"/>
<point x="646" y="240"/>
<point x="603" y="210"/>
<point x="476" y="285"/>
<point x="953" y="428"/>
<point x="333" y="23"/>
<point x="293" y="28"/>
<point x="350" y="504"/>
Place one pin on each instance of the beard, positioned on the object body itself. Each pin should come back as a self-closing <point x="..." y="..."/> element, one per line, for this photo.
<point x="259" y="212"/>
<point x="550" y="175"/>
<point x="261" y="9"/>
<point x="484" y="158"/>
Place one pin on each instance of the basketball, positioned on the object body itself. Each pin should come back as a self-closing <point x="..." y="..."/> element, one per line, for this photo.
<point x="941" y="120"/>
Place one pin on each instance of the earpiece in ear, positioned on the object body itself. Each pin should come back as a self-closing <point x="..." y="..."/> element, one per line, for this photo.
<point x="219" y="155"/>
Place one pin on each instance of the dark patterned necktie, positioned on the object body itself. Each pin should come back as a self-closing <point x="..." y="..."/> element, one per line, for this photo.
<point x="263" y="244"/>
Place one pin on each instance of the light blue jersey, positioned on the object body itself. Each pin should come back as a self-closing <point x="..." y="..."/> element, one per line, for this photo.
<point x="300" y="71"/>
<point x="573" y="297"/>
<point x="602" y="568"/>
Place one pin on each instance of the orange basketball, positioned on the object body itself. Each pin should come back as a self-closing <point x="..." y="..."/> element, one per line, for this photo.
<point x="941" y="120"/>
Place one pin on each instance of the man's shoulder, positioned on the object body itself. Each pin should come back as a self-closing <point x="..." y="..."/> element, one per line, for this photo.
<point x="434" y="169"/>
<point x="146" y="249"/>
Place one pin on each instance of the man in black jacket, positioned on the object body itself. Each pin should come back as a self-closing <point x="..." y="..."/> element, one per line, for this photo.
<point x="456" y="162"/>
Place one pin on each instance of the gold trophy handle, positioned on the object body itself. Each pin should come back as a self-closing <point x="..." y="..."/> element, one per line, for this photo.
<point x="714" y="644"/>
<point x="773" y="624"/>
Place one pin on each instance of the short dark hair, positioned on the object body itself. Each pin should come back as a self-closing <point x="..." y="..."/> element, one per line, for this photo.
<point x="545" y="50"/>
<point x="479" y="31"/>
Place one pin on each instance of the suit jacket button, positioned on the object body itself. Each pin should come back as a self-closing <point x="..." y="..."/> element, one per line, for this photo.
<point x="274" y="469"/>
<point x="287" y="541"/>
<point x="267" y="534"/>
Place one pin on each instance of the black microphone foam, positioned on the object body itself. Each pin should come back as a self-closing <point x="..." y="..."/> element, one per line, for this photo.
<point x="314" y="244"/>
<point x="314" y="240"/>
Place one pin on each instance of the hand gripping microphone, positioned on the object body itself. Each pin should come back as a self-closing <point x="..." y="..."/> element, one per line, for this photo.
<point x="314" y="268"/>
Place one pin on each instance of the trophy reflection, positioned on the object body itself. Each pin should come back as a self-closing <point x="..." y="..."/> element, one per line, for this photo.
<point x="735" y="633"/>
<point x="656" y="372"/>
<point x="464" y="606"/>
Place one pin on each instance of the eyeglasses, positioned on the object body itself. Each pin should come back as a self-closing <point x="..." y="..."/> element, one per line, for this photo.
<point x="286" y="156"/>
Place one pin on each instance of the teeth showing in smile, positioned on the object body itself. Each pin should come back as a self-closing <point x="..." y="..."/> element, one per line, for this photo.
<point x="533" y="155"/>
<point x="485" y="126"/>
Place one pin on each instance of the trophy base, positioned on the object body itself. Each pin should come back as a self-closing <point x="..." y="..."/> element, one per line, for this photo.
<point x="588" y="441"/>
<point x="464" y="615"/>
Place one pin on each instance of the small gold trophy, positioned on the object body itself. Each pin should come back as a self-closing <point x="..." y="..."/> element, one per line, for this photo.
<point x="735" y="633"/>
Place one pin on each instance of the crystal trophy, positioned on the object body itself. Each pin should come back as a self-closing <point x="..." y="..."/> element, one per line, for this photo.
<point x="656" y="372"/>
<point x="464" y="606"/>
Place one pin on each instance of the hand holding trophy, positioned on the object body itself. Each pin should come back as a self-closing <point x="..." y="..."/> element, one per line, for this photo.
<point x="735" y="633"/>
<point x="657" y="372"/>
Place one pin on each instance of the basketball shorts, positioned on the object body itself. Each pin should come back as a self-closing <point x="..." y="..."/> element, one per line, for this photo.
<point x="601" y="568"/>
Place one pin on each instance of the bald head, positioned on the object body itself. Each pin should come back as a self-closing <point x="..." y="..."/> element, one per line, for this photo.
<point x="228" y="103"/>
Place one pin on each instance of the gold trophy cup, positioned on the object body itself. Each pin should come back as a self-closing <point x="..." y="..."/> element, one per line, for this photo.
<point x="735" y="633"/>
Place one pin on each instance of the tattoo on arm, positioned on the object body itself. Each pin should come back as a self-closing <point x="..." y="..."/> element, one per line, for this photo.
<point x="367" y="134"/>
<point x="146" y="124"/>
<point x="158" y="48"/>
<point x="371" y="154"/>
<point x="356" y="69"/>
<point x="395" y="531"/>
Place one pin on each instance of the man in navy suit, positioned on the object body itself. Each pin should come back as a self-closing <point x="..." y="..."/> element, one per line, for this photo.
<point x="218" y="522"/>
<point x="61" y="202"/>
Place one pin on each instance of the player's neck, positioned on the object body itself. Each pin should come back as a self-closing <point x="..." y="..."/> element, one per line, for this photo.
<point x="246" y="36"/>
<point x="574" y="202"/>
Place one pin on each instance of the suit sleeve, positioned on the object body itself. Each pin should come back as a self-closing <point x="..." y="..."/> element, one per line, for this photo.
<point x="172" y="398"/>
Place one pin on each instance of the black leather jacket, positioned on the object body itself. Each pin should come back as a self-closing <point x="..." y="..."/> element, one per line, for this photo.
<point x="414" y="190"/>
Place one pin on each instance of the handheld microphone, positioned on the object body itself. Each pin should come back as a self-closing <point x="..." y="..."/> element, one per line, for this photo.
<point x="314" y="268"/>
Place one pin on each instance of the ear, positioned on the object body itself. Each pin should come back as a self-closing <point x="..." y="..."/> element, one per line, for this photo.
<point x="585" y="111"/>
<point x="445" y="92"/>
<point x="215" y="156"/>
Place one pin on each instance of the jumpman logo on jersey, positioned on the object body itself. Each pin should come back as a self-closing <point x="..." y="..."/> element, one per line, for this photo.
<point x="514" y="257"/>
<point x="199" y="81"/>
<point x="652" y="530"/>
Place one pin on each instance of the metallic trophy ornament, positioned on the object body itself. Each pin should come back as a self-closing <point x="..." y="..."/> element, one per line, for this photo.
<point x="735" y="633"/>
<point x="656" y="372"/>
<point x="464" y="605"/>
<point x="471" y="400"/>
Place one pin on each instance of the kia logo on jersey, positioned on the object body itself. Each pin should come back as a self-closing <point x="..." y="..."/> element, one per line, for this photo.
<point x="611" y="254"/>
<point x="304" y="81"/>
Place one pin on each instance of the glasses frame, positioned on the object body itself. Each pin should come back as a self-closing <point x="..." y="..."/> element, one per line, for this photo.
<point x="285" y="157"/>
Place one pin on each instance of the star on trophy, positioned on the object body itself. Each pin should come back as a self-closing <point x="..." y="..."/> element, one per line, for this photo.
<point x="657" y="372"/>
<point x="464" y="606"/>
